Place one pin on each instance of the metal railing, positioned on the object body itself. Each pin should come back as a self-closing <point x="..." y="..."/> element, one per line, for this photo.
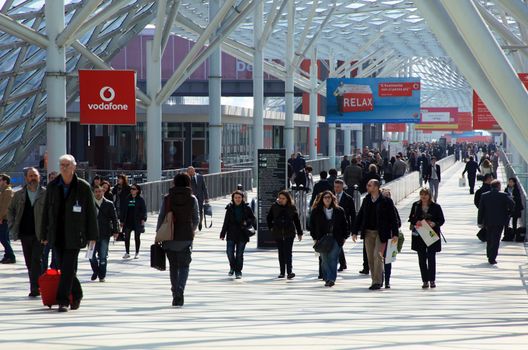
<point x="218" y="185"/>
<point x="318" y="165"/>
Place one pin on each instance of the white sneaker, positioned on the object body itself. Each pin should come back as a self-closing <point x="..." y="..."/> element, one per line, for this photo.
<point x="126" y="256"/>
<point x="136" y="256"/>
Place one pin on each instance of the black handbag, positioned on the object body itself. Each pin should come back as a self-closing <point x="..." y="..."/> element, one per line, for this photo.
<point x="157" y="257"/>
<point x="249" y="231"/>
<point x="324" y="244"/>
<point x="481" y="235"/>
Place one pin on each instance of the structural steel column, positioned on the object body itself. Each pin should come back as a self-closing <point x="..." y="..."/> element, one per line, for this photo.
<point x="331" y="127"/>
<point x="289" y="142"/>
<point x="445" y="30"/>
<point x="313" y="105"/>
<point x="55" y="85"/>
<point x="359" y="139"/>
<point x="154" y="115"/>
<point x="258" y="84"/>
<point x="215" y="103"/>
<point x="347" y="139"/>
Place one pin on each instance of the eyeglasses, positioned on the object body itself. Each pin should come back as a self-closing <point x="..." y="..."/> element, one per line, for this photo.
<point x="133" y="189"/>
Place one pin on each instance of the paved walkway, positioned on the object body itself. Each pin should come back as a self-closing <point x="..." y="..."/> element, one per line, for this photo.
<point x="475" y="306"/>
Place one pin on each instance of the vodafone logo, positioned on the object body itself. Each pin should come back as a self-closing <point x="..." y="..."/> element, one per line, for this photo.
<point x="107" y="94"/>
<point x="107" y="90"/>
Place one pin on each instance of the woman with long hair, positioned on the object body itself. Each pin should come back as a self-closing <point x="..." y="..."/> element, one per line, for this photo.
<point x="431" y="212"/>
<point x="513" y="190"/>
<point x="239" y="218"/>
<point x="328" y="218"/>
<point x="283" y="222"/>
<point x="134" y="217"/>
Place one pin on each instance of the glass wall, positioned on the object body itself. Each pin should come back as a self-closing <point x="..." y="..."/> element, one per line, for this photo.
<point x="237" y="143"/>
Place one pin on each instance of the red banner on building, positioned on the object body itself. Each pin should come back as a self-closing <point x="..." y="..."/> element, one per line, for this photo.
<point x="395" y="127"/>
<point x="464" y="121"/>
<point x="482" y="117"/>
<point x="397" y="89"/>
<point x="107" y="97"/>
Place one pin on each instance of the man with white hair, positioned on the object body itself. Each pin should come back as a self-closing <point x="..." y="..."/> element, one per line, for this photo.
<point x="68" y="224"/>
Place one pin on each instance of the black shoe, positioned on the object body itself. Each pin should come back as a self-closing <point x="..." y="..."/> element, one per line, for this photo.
<point x="425" y="285"/>
<point x="492" y="262"/>
<point x="8" y="261"/>
<point x="231" y="272"/>
<point x="329" y="284"/>
<point x="387" y="286"/>
<point x="342" y="268"/>
<point x="281" y="276"/>
<point x="320" y="277"/>
<point x="177" y="300"/>
<point x="238" y="275"/>
<point x="364" y="272"/>
<point x="94" y="276"/>
<point x="291" y="276"/>
<point x="34" y="294"/>
<point x="432" y="284"/>
<point x="63" y="308"/>
<point x="75" y="304"/>
<point x="375" y="286"/>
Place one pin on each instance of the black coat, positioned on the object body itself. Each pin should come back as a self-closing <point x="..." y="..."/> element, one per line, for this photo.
<point x="232" y="228"/>
<point x="471" y="168"/>
<point x="434" y="214"/>
<point x="283" y="221"/>
<point x="107" y="219"/>
<point x="428" y="173"/>
<point x="478" y="194"/>
<point x="495" y="208"/>
<point x="199" y="189"/>
<point x="347" y="203"/>
<point x="387" y="223"/>
<point x="120" y="199"/>
<point x="320" y="225"/>
<point x="320" y="187"/>
<point x="517" y="199"/>
<point x="140" y="214"/>
<point x="60" y="220"/>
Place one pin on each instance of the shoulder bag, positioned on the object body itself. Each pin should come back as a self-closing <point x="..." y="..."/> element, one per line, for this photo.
<point x="166" y="230"/>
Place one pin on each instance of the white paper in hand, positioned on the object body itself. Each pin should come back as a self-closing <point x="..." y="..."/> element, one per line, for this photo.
<point x="392" y="251"/>
<point x="90" y="250"/>
<point x="428" y="235"/>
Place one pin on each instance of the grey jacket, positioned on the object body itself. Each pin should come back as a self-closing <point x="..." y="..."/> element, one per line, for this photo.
<point x="399" y="168"/>
<point x="16" y="210"/>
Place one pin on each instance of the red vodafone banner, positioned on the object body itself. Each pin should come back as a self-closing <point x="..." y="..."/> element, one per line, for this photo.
<point x="482" y="117"/>
<point x="107" y="97"/>
<point x="395" y="127"/>
<point x="465" y="121"/>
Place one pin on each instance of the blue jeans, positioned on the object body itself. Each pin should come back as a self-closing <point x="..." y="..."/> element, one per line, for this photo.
<point x="100" y="257"/>
<point x="329" y="263"/>
<point x="179" y="262"/>
<point x="236" y="261"/>
<point x="4" y="239"/>
<point x="45" y="257"/>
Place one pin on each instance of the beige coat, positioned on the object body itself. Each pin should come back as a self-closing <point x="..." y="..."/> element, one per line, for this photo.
<point x="5" y="198"/>
<point x="16" y="210"/>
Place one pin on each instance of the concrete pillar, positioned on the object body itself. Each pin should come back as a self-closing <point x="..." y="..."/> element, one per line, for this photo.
<point x="347" y="140"/>
<point x="55" y="85"/>
<point x="258" y="85"/>
<point x="313" y="105"/>
<point x="215" y="104"/>
<point x="331" y="145"/>
<point x="289" y="142"/>
<point x="359" y="139"/>
<point x="154" y="114"/>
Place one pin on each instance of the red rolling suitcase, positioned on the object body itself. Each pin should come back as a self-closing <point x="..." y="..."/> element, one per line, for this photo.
<point x="48" y="285"/>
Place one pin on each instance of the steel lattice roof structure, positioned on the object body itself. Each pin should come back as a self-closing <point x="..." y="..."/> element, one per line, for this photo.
<point x="385" y="38"/>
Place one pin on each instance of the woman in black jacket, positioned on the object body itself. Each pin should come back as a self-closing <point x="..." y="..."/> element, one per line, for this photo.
<point x="133" y="218"/>
<point x="283" y="222"/>
<point x="120" y="193"/>
<point x="513" y="190"/>
<point x="238" y="219"/>
<point x="426" y="209"/>
<point x="328" y="218"/>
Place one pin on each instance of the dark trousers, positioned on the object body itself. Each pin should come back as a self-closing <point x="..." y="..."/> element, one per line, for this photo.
<point x="179" y="262"/>
<point x="235" y="255"/>
<point x="365" y="258"/>
<point x="471" y="181"/>
<point x="45" y="258"/>
<point x="32" y="249"/>
<point x="427" y="261"/>
<point x="285" y="247"/>
<point x="493" y="241"/>
<point x="387" y="273"/>
<point x="137" y="239"/>
<point x="342" y="259"/>
<point x="514" y="224"/>
<point x="69" y="284"/>
<point x="4" y="240"/>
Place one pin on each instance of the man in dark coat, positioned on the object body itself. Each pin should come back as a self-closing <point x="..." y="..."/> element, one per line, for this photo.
<point x="199" y="190"/>
<point x="108" y="226"/>
<point x="471" y="169"/>
<point x="321" y="186"/>
<point x="486" y="187"/>
<point x="344" y="164"/>
<point x="69" y="222"/>
<point x="346" y="202"/>
<point x="494" y="213"/>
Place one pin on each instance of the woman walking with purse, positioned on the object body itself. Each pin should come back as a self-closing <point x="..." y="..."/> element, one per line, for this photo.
<point x="133" y="218"/>
<point x="239" y="225"/>
<point x="283" y="222"/>
<point x="426" y="209"/>
<point x="186" y="217"/>
<point x="329" y="229"/>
